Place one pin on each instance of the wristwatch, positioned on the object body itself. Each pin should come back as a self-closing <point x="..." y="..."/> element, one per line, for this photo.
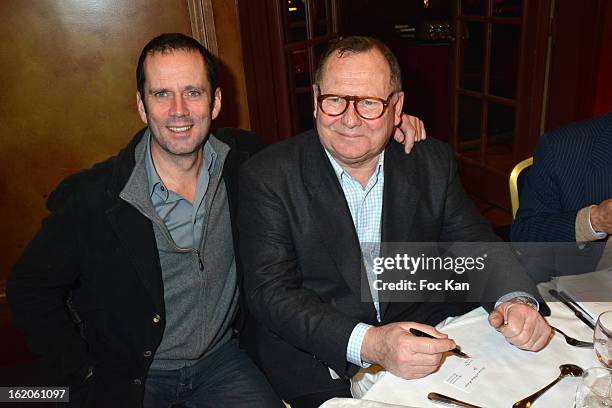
<point x="526" y="300"/>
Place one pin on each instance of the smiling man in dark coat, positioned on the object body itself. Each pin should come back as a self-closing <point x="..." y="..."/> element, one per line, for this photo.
<point x="145" y="245"/>
<point x="310" y="204"/>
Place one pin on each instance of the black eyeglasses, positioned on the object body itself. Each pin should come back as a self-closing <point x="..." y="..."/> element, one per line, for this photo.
<point x="367" y="107"/>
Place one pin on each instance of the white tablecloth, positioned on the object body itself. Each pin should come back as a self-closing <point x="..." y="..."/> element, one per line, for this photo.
<point x="511" y="374"/>
<point x="357" y="403"/>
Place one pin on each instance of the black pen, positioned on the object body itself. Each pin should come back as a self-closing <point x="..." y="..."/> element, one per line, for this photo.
<point x="456" y="351"/>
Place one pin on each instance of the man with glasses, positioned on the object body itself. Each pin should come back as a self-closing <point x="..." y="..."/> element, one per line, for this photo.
<point x="309" y="208"/>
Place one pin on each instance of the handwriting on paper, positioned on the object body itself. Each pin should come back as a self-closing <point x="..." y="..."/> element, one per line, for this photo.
<point x="466" y="374"/>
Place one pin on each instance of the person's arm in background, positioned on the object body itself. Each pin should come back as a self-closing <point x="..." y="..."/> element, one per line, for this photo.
<point x="410" y="131"/>
<point x="594" y="222"/>
<point x="541" y="216"/>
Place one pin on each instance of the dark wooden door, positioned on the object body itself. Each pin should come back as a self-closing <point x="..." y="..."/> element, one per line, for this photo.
<point x="308" y="26"/>
<point x="499" y="67"/>
<point x="282" y="43"/>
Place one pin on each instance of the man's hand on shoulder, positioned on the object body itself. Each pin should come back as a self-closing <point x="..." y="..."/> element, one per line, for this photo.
<point x="410" y="130"/>
<point x="601" y="216"/>
<point x="400" y="352"/>
<point x="521" y="325"/>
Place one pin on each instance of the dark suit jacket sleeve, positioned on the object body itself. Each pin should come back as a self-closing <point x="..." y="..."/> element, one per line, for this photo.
<point x="273" y="280"/>
<point x="38" y="285"/>
<point x="541" y="216"/>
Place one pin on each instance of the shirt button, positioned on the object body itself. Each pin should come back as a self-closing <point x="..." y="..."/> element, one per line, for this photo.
<point x="156" y="318"/>
<point x="137" y="381"/>
<point x="147" y="353"/>
<point x="162" y="188"/>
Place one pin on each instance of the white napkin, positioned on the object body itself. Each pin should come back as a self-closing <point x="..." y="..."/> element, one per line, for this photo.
<point x="367" y="377"/>
<point x="511" y="374"/>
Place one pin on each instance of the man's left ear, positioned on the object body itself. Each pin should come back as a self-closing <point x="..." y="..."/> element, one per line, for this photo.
<point x="142" y="109"/>
<point x="216" y="104"/>
<point x="398" y="108"/>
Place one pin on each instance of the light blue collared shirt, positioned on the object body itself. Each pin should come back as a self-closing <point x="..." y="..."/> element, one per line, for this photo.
<point x="183" y="219"/>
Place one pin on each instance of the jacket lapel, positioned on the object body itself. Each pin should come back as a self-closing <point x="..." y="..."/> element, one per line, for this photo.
<point x="332" y="220"/>
<point x="400" y="200"/>
<point x="133" y="230"/>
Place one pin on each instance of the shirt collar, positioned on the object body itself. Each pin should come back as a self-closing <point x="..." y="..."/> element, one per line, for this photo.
<point x="340" y="172"/>
<point x="156" y="185"/>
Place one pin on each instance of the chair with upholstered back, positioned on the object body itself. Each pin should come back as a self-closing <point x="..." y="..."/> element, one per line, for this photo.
<point x="516" y="182"/>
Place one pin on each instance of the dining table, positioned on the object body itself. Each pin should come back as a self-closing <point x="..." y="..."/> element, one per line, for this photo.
<point x="502" y="374"/>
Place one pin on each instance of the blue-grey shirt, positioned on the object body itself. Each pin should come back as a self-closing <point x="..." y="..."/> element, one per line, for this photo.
<point x="183" y="219"/>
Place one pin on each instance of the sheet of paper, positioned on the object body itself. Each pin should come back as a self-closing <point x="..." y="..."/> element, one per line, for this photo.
<point x="466" y="374"/>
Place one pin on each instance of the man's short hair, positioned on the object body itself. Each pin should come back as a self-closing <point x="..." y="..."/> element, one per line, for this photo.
<point x="357" y="45"/>
<point x="170" y="42"/>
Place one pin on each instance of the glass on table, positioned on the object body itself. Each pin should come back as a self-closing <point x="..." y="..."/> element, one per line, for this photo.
<point x="602" y="337"/>
<point x="595" y="389"/>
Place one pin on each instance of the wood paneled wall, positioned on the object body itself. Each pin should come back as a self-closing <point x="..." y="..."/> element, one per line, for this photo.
<point x="235" y="111"/>
<point x="68" y="93"/>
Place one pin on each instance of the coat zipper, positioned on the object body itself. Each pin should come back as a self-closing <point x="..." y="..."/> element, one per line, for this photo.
<point x="200" y="263"/>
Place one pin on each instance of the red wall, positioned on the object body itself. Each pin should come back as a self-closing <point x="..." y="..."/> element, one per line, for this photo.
<point x="603" y="96"/>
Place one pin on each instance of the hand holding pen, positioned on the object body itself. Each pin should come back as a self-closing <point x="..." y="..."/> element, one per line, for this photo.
<point x="456" y="351"/>
<point x="394" y="347"/>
